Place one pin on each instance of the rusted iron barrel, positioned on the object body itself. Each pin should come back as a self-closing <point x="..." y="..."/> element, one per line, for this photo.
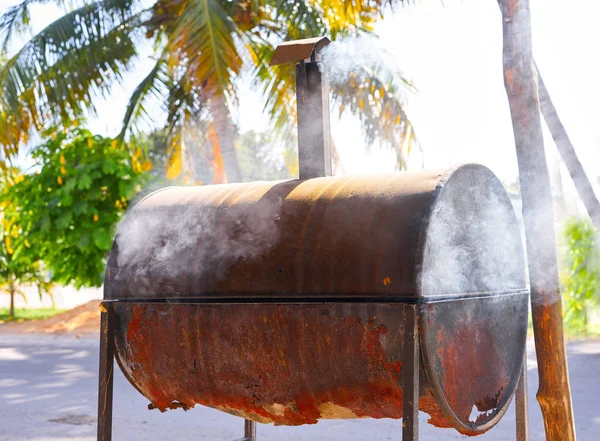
<point x="283" y="301"/>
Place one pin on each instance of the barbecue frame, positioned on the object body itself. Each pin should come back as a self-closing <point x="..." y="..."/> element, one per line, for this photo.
<point x="305" y="52"/>
<point x="410" y="380"/>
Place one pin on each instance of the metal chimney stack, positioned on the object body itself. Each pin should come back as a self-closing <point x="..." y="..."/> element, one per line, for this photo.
<point x="312" y="97"/>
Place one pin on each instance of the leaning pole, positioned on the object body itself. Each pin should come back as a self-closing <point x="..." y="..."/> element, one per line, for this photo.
<point x="568" y="154"/>
<point x="554" y="392"/>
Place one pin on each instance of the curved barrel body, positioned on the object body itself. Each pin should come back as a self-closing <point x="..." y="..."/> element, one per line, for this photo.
<point x="283" y="301"/>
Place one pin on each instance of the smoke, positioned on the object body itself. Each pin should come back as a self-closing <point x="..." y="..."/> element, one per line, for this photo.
<point x="351" y="55"/>
<point x="473" y="241"/>
<point x="178" y="238"/>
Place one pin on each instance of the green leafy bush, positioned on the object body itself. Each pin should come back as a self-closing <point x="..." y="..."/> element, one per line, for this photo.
<point x="20" y="262"/>
<point x="71" y="204"/>
<point x="580" y="274"/>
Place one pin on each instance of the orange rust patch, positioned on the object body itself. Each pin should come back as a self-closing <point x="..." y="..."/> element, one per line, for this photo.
<point x="181" y="355"/>
<point x="463" y="367"/>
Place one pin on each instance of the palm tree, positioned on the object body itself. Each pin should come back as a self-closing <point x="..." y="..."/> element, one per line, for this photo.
<point x="202" y="47"/>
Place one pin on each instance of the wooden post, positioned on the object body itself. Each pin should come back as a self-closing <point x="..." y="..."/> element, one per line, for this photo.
<point x="554" y="392"/>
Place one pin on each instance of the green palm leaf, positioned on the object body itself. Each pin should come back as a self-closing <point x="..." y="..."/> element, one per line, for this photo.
<point x="203" y="37"/>
<point x="16" y="20"/>
<point x="58" y="73"/>
<point x="153" y="84"/>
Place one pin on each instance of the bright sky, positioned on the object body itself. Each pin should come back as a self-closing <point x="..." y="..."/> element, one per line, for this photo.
<point x="452" y="51"/>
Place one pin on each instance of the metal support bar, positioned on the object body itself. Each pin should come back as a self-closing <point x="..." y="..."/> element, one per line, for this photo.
<point x="521" y="405"/>
<point x="105" y="376"/>
<point x="314" y="142"/>
<point x="250" y="430"/>
<point x="410" y="375"/>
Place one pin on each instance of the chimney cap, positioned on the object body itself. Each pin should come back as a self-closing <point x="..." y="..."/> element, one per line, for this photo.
<point x="297" y="50"/>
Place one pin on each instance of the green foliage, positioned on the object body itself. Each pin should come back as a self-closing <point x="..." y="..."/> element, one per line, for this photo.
<point x="60" y="70"/>
<point x="19" y="258"/>
<point x="29" y="314"/>
<point x="72" y="203"/>
<point x="581" y="274"/>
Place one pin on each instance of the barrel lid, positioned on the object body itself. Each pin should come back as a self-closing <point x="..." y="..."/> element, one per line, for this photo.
<point x="472" y="348"/>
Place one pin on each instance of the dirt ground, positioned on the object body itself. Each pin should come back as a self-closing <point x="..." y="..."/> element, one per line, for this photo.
<point x="79" y="321"/>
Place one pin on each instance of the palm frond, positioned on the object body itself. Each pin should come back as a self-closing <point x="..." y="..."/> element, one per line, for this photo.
<point x="16" y="20"/>
<point x="185" y="111"/>
<point x="154" y="84"/>
<point x="58" y="72"/>
<point x="297" y="20"/>
<point x="294" y="20"/>
<point x="374" y="95"/>
<point x="278" y="86"/>
<point x="203" y="40"/>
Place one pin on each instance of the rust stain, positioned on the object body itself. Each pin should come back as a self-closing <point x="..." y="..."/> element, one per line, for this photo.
<point x="296" y="364"/>
<point x="334" y="366"/>
<point x="428" y="404"/>
<point x="467" y="375"/>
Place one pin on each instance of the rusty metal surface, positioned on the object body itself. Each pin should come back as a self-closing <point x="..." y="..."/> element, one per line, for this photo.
<point x="296" y="364"/>
<point x="473" y="347"/>
<point x="297" y="50"/>
<point x="323" y="244"/>
<point x="338" y="236"/>
<point x="473" y="353"/>
<point x="287" y="364"/>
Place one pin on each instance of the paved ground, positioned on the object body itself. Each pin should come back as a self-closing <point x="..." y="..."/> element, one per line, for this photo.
<point x="48" y="393"/>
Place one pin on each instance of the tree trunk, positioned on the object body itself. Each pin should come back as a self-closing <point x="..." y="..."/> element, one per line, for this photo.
<point x="568" y="155"/>
<point x="225" y="131"/>
<point x="11" y="310"/>
<point x="554" y="393"/>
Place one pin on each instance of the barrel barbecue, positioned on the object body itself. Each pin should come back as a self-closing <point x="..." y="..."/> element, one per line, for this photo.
<point x="323" y="297"/>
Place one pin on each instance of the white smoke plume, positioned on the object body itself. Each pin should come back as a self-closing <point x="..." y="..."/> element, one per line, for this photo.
<point x="343" y="57"/>
<point x="180" y="242"/>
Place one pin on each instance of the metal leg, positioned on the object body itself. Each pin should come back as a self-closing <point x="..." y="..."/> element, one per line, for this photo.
<point x="249" y="430"/>
<point x="521" y="405"/>
<point x="410" y="376"/>
<point x="105" y="383"/>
